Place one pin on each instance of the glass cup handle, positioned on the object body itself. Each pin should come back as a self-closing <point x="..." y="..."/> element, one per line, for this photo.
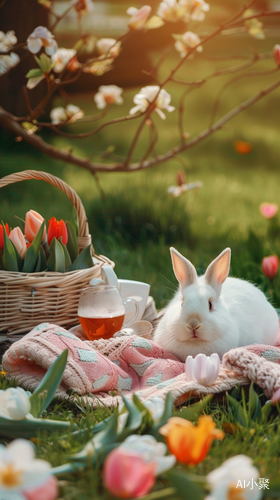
<point x="136" y="310"/>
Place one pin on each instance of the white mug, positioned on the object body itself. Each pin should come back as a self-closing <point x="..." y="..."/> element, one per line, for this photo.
<point x="136" y="290"/>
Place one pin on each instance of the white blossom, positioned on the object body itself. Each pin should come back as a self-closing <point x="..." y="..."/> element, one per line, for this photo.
<point x="139" y="17"/>
<point x="7" y="40"/>
<point x="108" y="46"/>
<point x="99" y="67"/>
<point x="14" y="403"/>
<point x="20" y="471"/>
<point x="203" y="369"/>
<point x="147" y="95"/>
<point x="194" y="9"/>
<point x="61" y="58"/>
<point x="150" y="450"/>
<point x="227" y="481"/>
<point x="171" y="10"/>
<point x="66" y="115"/>
<point x="41" y="37"/>
<point x="83" y="6"/>
<point x="108" y="94"/>
<point x="33" y="82"/>
<point x="8" y="62"/>
<point x="189" y="40"/>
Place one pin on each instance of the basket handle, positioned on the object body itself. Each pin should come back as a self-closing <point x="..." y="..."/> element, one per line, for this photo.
<point x="84" y="237"/>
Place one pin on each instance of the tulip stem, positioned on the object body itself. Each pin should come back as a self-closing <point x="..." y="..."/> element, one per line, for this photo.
<point x="167" y="492"/>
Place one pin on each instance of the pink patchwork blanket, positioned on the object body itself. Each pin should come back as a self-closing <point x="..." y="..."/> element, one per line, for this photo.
<point x="98" y="370"/>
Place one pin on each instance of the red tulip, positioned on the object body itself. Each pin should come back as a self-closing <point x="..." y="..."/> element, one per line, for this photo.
<point x="33" y="222"/>
<point x="56" y="230"/>
<point x="127" y="475"/>
<point x="270" y="266"/>
<point x="2" y="235"/>
<point x="18" y="239"/>
<point x="276" y="53"/>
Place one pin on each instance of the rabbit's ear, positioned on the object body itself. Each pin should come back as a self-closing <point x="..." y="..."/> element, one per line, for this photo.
<point x="217" y="271"/>
<point x="183" y="269"/>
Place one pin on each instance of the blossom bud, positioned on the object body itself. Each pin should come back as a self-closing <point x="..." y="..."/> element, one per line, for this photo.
<point x="270" y="266"/>
<point x="18" y="239"/>
<point x="33" y="222"/>
<point x="2" y="235"/>
<point x="276" y="53"/>
<point x="139" y="17"/>
<point x="56" y="230"/>
<point x="180" y="178"/>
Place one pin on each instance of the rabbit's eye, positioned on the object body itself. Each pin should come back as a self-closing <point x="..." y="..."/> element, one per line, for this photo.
<point x="210" y="305"/>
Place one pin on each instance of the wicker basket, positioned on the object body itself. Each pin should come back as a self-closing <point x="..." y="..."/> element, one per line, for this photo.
<point x="27" y="299"/>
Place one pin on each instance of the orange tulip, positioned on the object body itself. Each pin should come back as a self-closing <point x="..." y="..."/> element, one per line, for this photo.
<point x="56" y="230"/>
<point x="242" y="147"/>
<point x="2" y="235"/>
<point x="33" y="222"/>
<point x="189" y="443"/>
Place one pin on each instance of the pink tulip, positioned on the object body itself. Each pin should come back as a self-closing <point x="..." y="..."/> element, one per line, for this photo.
<point x="270" y="266"/>
<point x="18" y="239"/>
<point x="46" y="491"/>
<point x="33" y="222"/>
<point x="139" y="17"/>
<point x="268" y="210"/>
<point x="127" y="475"/>
<point x="276" y="53"/>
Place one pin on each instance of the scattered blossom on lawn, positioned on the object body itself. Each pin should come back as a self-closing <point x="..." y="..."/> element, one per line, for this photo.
<point x="270" y="266"/>
<point x="188" y="442"/>
<point x="268" y="210"/>
<point x="203" y="369"/>
<point x="83" y="6"/>
<point x="61" y="58"/>
<point x="276" y="53"/>
<point x="139" y="17"/>
<point x="41" y="37"/>
<point x="149" y="94"/>
<point x="187" y="41"/>
<point x="227" y="481"/>
<point x="22" y="476"/>
<point x="108" y="46"/>
<point x="7" y="41"/>
<point x="66" y="115"/>
<point x="108" y="94"/>
<point x="18" y="239"/>
<point x="14" y="404"/>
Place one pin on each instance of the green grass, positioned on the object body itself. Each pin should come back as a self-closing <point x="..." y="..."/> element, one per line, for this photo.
<point x="138" y="221"/>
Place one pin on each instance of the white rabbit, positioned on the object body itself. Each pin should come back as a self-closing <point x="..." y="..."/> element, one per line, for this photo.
<point x="214" y="313"/>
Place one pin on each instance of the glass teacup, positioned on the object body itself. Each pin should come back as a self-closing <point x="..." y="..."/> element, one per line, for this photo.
<point x="101" y="311"/>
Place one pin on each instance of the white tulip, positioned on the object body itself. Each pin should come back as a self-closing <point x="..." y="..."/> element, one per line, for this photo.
<point x="150" y="450"/>
<point x="20" y="470"/>
<point x="235" y="478"/>
<point x="41" y="37"/>
<point x="66" y="115"/>
<point x="108" y="94"/>
<point x="147" y="95"/>
<point x="61" y="58"/>
<point x="203" y="369"/>
<point x="14" y="403"/>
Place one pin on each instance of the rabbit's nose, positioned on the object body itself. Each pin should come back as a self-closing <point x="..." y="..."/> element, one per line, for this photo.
<point x="193" y="325"/>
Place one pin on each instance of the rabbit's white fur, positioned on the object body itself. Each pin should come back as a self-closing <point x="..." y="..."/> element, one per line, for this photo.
<point x="240" y="313"/>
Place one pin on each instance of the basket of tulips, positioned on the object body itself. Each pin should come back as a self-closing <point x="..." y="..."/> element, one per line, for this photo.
<point x="44" y="266"/>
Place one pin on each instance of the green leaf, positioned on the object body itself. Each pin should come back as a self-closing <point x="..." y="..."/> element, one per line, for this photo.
<point x="43" y="395"/>
<point x="254" y="406"/>
<point x="66" y="254"/>
<point x="83" y="261"/>
<point x="240" y="414"/>
<point x="185" y="486"/>
<point x="30" y="428"/>
<point x="9" y="257"/>
<point x="167" y="413"/>
<point x="43" y="262"/>
<point x="56" y="261"/>
<point x="34" y="73"/>
<point x="18" y="257"/>
<point x="134" y="419"/>
<point x="44" y="62"/>
<point x="192" y="411"/>
<point x="33" y="251"/>
<point x="75" y="220"/>
<point x="72" y="243"/>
